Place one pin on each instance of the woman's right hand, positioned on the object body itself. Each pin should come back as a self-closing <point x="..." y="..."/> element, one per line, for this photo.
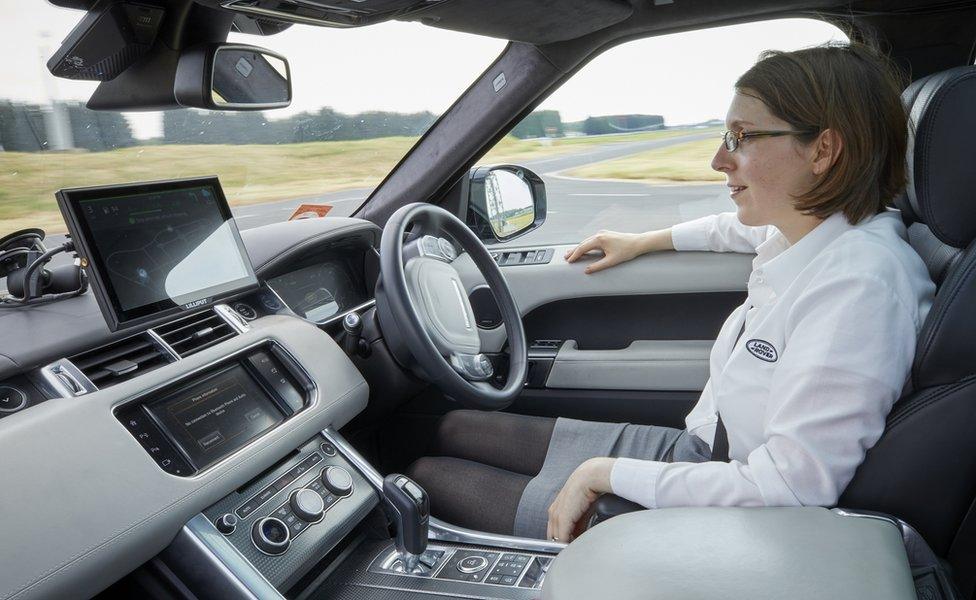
<point x="618" y="247"/>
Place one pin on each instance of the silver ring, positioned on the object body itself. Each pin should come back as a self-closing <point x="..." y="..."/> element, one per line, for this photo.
<point x="554" y="538"/>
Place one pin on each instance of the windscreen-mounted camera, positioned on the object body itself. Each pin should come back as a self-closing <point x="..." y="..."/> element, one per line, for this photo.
<point x="23" y="260"/>
<point x="109" y="38"/>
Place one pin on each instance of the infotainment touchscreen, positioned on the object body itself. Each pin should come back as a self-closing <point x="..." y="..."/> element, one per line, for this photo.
<point x="212" y="418"/>
<point x="156" y="248"/>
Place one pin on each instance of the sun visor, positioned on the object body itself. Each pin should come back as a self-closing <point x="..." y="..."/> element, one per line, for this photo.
<point x="539" y="22"/>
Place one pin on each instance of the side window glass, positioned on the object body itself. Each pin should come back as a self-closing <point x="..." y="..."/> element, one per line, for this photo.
<point x="626" y="143"/>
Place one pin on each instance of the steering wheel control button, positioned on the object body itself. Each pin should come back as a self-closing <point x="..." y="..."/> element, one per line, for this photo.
<point x="337" y="480"/>
<point x="447" y="249"/>
<point x="472" y="564"/>
<point x="11" y="399"/>
<point x="308" y="505"/>
<point x="473" y="367"/>
<point x="271" y="535"/>
<point x="328" y="449"/>
<point x="435" y="247"/>
<point x="226" y="523"/>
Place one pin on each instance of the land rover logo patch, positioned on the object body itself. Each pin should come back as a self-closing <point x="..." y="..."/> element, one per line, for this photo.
<point x="762" y="350"/>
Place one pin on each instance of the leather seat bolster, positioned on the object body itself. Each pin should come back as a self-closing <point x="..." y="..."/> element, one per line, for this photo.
<point x="944" y="352"/>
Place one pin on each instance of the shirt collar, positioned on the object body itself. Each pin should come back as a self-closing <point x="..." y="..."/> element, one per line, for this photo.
<point x="778" y="263"/>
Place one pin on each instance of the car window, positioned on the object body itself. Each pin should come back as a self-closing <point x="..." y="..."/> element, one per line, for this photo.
<point x="361" y="98"/>
<point x="626" y="143"/>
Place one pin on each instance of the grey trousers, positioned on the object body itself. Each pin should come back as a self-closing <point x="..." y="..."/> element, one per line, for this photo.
<point x="573" y="442"/>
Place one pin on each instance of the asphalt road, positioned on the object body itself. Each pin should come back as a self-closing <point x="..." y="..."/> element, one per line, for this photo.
<point x="575" y="207"/>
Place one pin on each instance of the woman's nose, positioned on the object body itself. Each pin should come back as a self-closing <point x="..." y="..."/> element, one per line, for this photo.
<point x="722" y="161"/>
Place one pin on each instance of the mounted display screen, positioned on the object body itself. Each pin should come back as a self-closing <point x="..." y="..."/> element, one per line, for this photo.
<point x="157" y="248"/>
<point x="212" y="418"/>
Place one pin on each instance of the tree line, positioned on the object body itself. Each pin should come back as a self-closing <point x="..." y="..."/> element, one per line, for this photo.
<point x="27" y="127"/>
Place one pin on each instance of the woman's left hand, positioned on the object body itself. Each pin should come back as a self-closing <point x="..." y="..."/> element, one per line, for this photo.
<point x="584" y="486"/>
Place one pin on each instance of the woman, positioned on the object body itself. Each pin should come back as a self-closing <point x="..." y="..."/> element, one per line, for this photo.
<point x="802" y="374"/>
<point x="814" y="153"/>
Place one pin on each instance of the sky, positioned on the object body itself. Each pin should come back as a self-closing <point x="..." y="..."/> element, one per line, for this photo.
<point x="408" y="67"/>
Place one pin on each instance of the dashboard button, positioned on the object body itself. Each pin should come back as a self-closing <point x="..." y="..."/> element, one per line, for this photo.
<point x="298" y="526"/>
<point x="337" y="480"/>
<point x="328" y="448"/>
<point x="247" y="508"/>
<point x="284" y="481"/>
<point x="270" y="301"/>
<point x="472" y="564"/>
<point x="271" y="536"/>
<point x="274" y="375"/>
<point x="12" y="399"/>
<point x="265" y="494"/>
<point x="245" y="310"/>
<point x="226" y="523"/>
<point x="308" y="505"/>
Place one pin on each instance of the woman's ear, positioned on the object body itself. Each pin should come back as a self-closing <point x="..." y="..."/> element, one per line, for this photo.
<point x="827" y="147"/>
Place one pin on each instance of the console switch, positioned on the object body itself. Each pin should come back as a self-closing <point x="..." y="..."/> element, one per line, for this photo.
<point x="469" y="565"/>
<point x="337" y="480"/>
<point x="275" y="375"/>
<point x="271" y="535"/>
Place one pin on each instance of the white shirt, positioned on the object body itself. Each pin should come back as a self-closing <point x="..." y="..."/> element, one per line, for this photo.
<point x="827" y="348"/>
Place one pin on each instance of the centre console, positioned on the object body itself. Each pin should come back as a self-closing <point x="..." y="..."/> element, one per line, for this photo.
<point x="318" y="525"/>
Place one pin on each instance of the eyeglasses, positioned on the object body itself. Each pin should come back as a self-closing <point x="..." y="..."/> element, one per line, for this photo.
<point x="732" y="139"/>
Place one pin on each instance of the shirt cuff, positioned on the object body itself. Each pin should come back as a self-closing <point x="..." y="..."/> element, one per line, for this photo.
<point x="692" y="235"/>
<point x="636" y="480"/>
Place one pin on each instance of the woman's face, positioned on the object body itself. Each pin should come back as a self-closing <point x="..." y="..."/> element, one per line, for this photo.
<point x="763" y="173"/>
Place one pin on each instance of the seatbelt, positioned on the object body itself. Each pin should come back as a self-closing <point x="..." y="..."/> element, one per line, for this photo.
<point x="720" y="444"/>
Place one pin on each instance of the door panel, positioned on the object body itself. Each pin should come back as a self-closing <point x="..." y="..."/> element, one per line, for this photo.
<point x="614" y="322"/>
<point x="643" y="365"/>
<point x="628" y="343"/>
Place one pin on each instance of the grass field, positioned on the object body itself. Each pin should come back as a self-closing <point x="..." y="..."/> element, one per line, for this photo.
<point x="682" y="163"/>
<point x="249" y="173"/>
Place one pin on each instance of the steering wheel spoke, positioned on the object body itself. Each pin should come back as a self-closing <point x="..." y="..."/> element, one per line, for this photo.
<point x="473" y="367"/>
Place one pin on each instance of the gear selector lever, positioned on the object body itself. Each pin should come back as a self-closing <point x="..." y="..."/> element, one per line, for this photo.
<point x="411" y="514"/>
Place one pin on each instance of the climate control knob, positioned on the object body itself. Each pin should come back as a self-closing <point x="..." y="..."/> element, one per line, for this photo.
<point x="308" y="505"/>
<point x="226" y="523"/>
<point x="271" y="535"/>
<point x="337" y="480"/>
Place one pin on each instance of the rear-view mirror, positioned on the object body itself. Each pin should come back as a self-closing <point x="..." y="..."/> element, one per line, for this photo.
<point x="232" y="77"/>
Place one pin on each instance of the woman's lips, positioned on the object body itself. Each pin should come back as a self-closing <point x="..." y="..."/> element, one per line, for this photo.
<point x="735" y="189"/>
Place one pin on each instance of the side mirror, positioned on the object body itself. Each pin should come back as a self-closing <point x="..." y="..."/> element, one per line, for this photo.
<point x="504" y="202"/>
<point x="232" y="77"/>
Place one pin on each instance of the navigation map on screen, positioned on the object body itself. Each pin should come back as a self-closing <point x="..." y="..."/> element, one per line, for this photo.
<point x="168" y="245"/>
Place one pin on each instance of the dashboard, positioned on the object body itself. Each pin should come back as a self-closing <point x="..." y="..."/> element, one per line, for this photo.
<point x="319" y="288"/>
<point x="320" y="291"/>
<point x="67" y="415"/>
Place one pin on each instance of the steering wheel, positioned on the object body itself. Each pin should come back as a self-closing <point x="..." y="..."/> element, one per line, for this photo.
<point x="425" y="313"/>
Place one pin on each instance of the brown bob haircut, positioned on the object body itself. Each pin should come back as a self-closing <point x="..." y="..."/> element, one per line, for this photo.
<point x="855" y="91"/>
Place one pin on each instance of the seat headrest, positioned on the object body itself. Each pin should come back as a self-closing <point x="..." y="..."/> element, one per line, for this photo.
<point x="941" y="133"/>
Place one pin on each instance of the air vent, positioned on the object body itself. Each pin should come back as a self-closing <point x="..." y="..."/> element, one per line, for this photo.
<point x="120" y="360"/>
<point x="194" y="333"/>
